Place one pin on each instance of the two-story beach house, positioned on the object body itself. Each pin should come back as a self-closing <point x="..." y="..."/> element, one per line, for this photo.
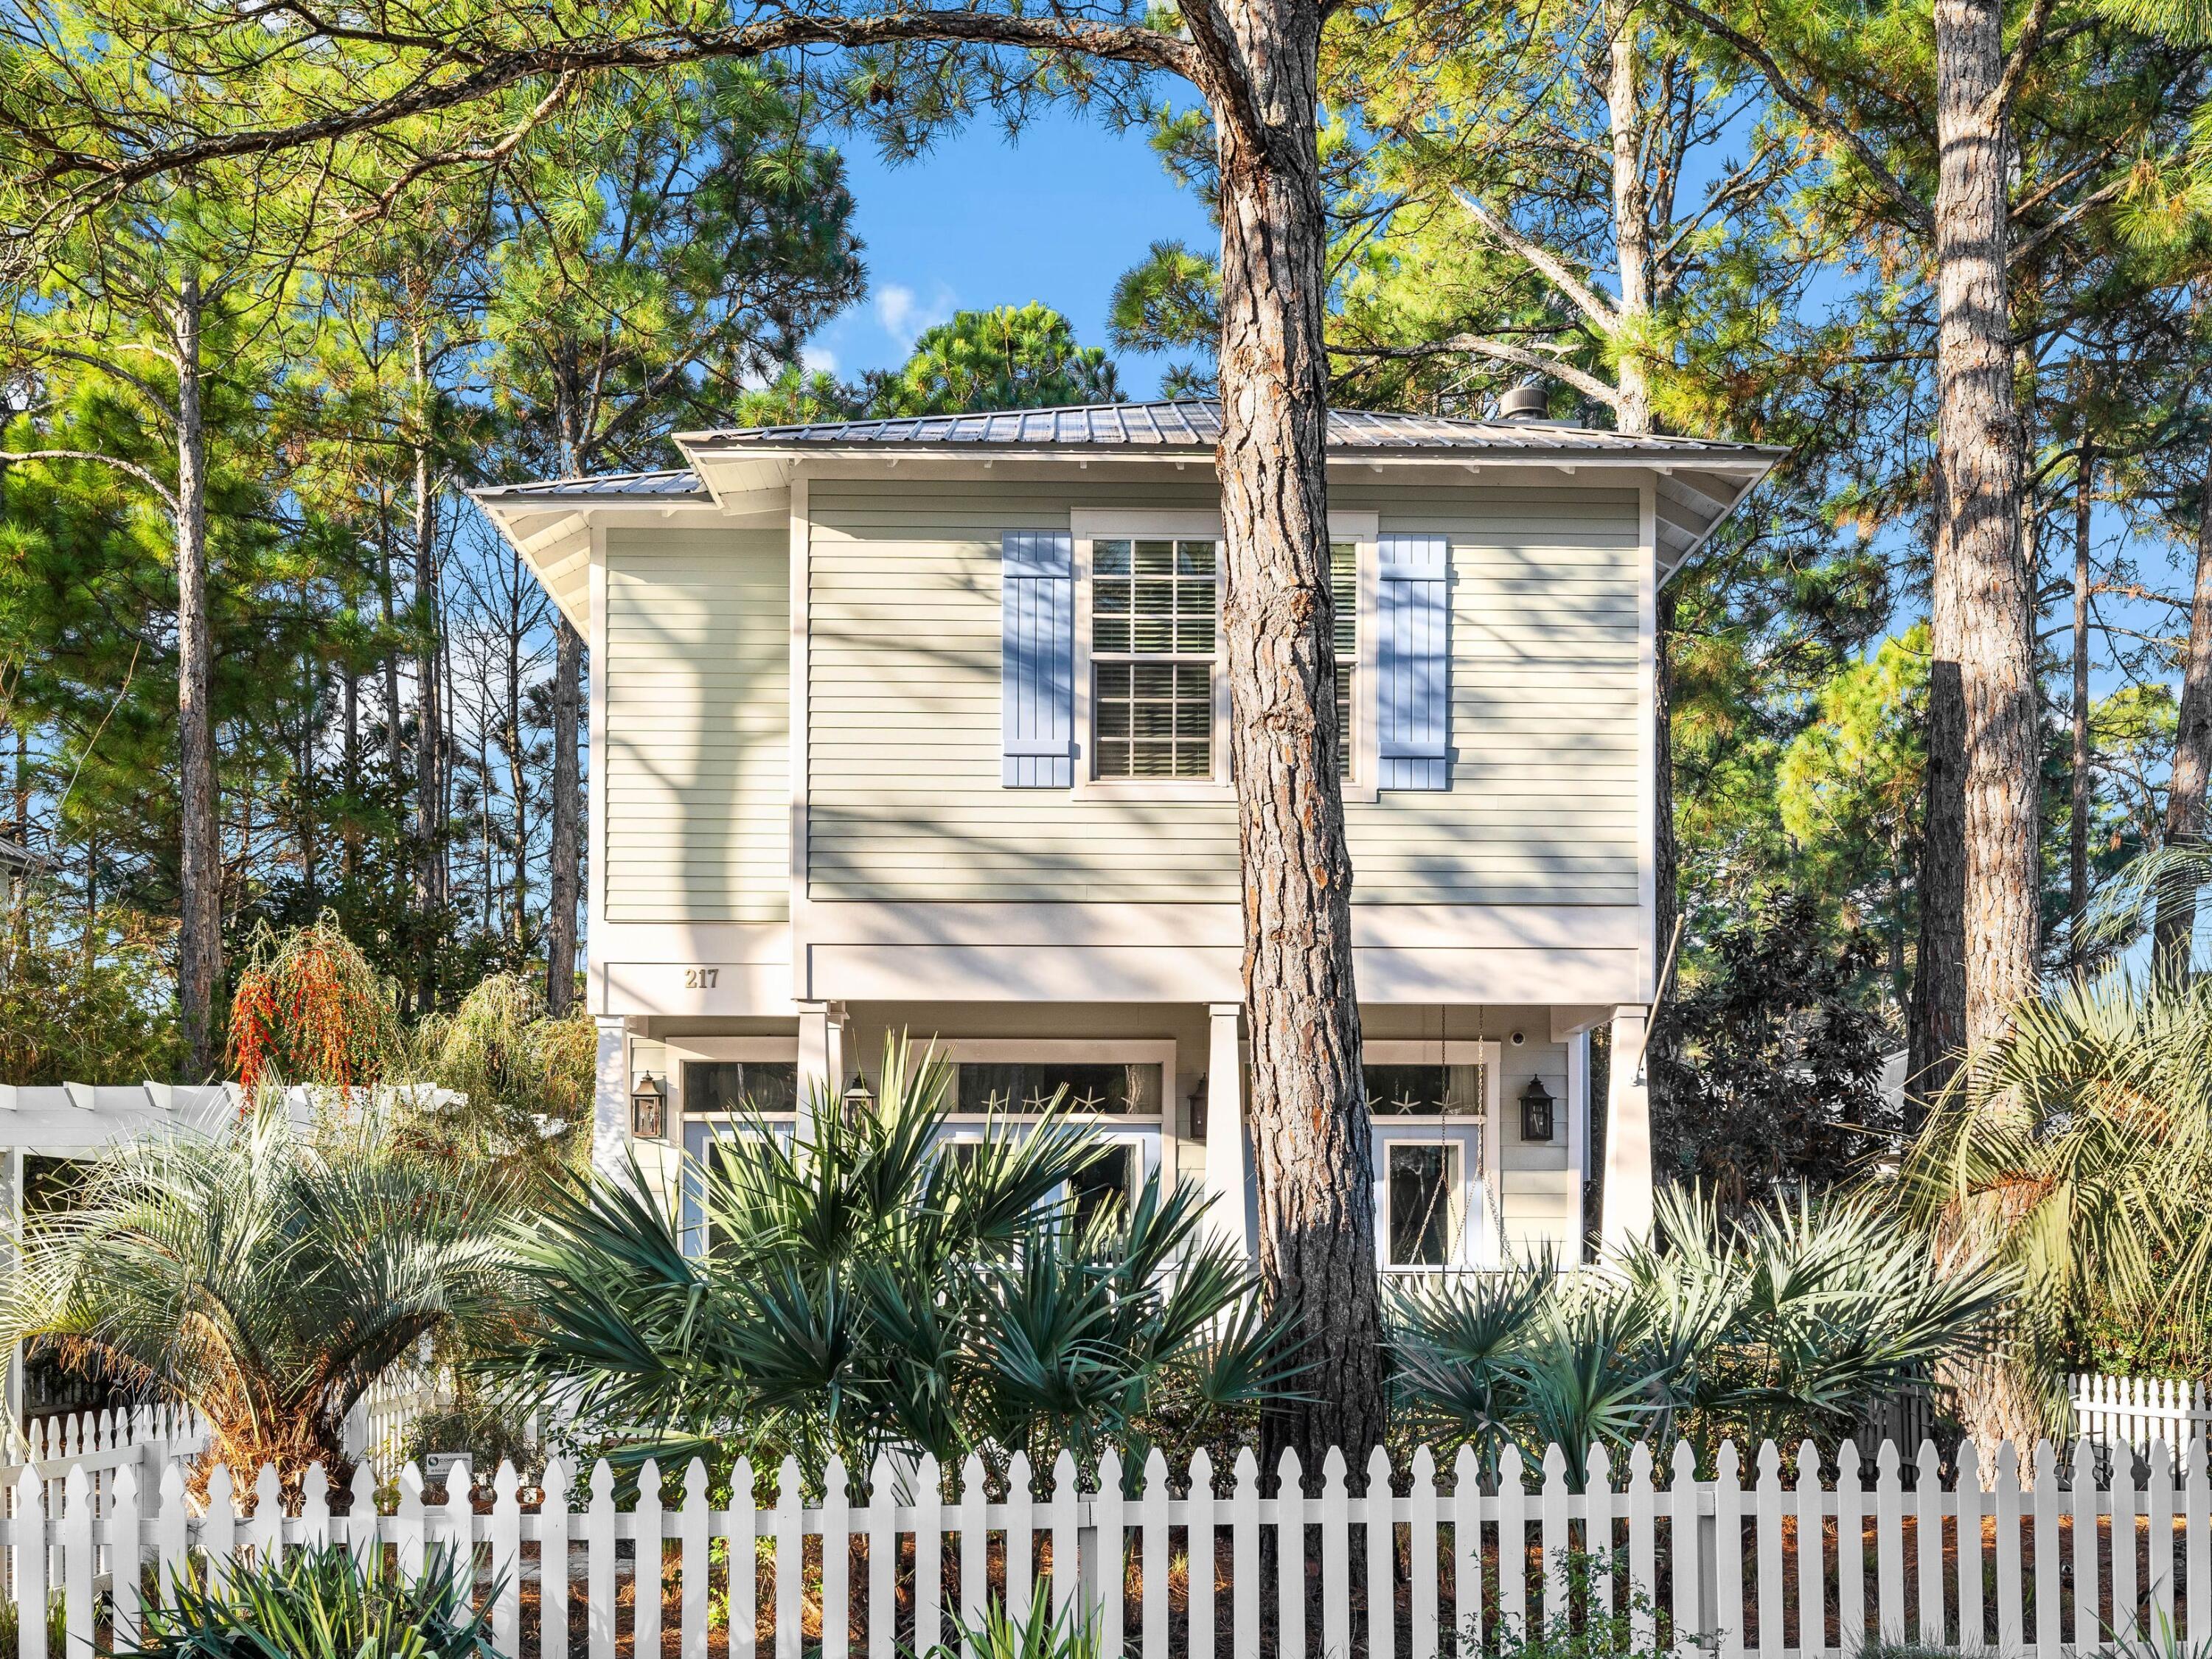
<point x="919" y="726"/>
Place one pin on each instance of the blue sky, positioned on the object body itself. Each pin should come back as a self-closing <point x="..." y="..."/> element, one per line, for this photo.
<point x="1056" y="217"/>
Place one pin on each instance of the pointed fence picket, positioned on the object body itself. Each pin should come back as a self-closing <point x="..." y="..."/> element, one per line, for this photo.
<point x="1815" y="1554"/>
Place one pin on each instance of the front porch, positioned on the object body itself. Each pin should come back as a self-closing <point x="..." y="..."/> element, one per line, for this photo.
<point x="1484" y="1128"/>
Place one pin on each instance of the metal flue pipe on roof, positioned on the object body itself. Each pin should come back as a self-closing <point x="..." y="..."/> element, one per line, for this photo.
<point x="1524" y="403"/>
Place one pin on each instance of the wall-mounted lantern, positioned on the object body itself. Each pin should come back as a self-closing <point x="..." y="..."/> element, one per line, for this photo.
<point x="1198" y="1111"/>
<point x="1535" y="1111"/>
<point x="858" y="1102"/>
<point x="649" y="1108"/>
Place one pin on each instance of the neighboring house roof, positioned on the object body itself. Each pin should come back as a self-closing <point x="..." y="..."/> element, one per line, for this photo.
<point x="1700" y="481"/>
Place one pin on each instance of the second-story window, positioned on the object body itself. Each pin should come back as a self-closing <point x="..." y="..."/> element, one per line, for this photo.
<point x="1153" y="604"/>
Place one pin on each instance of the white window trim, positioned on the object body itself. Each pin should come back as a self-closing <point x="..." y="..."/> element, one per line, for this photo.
<point x="1074" y="1051"/>
<point x="1158" y="1134"/>
<point x="683" y="1050"/>
<point x="1479" y="1243"/>
<point x="1465" y="1201"/>
<point x="1090" y="525"/>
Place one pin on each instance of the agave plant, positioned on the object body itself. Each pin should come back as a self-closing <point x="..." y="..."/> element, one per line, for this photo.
<point x="265" y="1275"/>
<point x="867" y="1290"/>
<point x="1789" y="1323"/>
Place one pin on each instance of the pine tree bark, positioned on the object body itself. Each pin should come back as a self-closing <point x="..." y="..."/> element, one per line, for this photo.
<point x="199" y="935"/>
<point x="1631" y="228"/>
<point x="564" y="857"/>
<point x="2174" y="923"/>
<point x="1310" y="1132"/>
<point x="430" y="716"/>
<point x="1984" y="701"/>
<point x="1983" y="696"/>
<point x="2077" y="828"/>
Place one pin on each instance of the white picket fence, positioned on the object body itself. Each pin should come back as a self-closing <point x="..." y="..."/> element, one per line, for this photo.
<point x="1810" y="1561"/>
<point x="147" y="1438"/>
<point x="2140" y="1409"/>
<point x="376" y="1429"/>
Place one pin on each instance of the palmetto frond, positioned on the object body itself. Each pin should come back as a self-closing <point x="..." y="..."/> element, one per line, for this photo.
<point x="1789" y="1323"/>
<point x="866" y="1290"/>
<point x="2079" y="1147"/>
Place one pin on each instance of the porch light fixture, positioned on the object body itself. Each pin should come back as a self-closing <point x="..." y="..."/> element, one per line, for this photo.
<point x="1198" y="1111"/>
<point x="857" y="1101"/>
<point x="649" y="1108"/>
<point x="1535" y="1111"/>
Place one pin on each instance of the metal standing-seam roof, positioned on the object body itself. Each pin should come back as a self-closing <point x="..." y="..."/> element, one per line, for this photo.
<point x="1195" y="424"/>
<point x="677" y="481"/>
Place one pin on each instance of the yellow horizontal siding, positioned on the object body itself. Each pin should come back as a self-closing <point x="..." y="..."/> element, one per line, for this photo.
<point x="904" y="799"/>
<point x="696" y="689"/>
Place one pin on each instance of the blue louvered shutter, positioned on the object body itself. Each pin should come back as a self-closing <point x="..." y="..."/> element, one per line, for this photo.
<point x="1036" y="664"/>
<point x="1412" y="663"/>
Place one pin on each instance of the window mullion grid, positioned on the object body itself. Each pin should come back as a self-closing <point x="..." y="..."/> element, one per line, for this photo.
<point x="1152" y="709"/>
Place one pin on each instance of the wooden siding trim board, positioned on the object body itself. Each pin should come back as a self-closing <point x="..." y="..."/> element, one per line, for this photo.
<point x="1647" y="732"/>
<point x="594" y="628"/>
<point x="802" y="721"/>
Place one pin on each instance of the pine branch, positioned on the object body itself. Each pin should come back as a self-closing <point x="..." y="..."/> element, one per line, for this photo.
<point x="168" y="497"/>
<point x="1481" y="345"/>
<point x="1907" y="202"/>
<point x="101" y="178"/>
<point x="1553" y="268"/>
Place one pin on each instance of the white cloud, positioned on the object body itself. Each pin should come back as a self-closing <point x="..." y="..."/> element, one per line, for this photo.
<point x="817" y="359"/>
<point x="904" y="315"/>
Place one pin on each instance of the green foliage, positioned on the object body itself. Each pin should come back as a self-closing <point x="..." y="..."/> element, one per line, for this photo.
<point x="1009" y="357"/>
<point x="1037" y="1634"/>
<point x="1578" y="1629"/>
<point x="1850" y="787"/>
<point x="526" y="1080"/>
<point x="1769" y="1081"/>
<point x="98" y="1005"/>
<point x="670" y="242"/>
<point x="318" y="1602"/>
<point x="1783" y="1325"/>
<point x="1171" y="300"/>
<point x="2078" y="1148"/>
<point x="490" y="1434"/>
<point x="265" y="1273"/>
<point x="867" y="1292"/>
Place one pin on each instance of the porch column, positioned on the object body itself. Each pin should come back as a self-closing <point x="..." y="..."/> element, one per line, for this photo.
<point x="1228" y="1158"/>
<point x="1625" y="1211"/>
<point x="611" y="1096"/>
<point x="821" y="1071"/>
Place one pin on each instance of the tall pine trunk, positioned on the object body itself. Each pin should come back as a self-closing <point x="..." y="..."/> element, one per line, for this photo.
<point x="430" y="716"/>
<point x="564" y="857"/>
<point x="1984" y="618"/>
<point x="1983" y="701"/>
<point x="2077" y="828"/>
<point x="2175" y="921"/>
<point x="1631" y="234"/>
<point x="1311" y="1133"/>
<point x="199" y="935"/>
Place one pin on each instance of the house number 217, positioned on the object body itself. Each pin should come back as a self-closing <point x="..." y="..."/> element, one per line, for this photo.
<point x="700" y="979"/>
